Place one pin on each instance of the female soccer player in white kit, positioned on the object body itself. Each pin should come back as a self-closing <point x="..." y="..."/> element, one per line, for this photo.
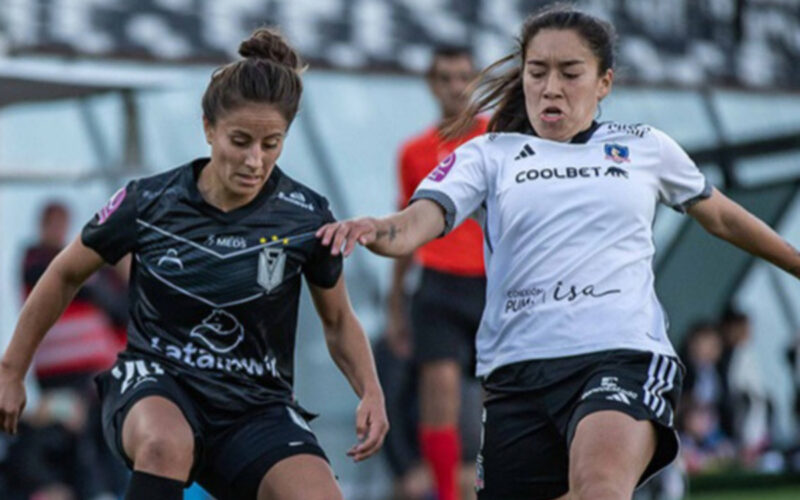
<point x="581" y="378"/>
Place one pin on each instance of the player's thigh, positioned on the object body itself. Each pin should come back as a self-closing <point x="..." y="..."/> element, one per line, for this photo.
<point x="300" y="477"/>
<point x="155" y="431"/>
<point x="146" y="414"/>
<point x="236" y="462"/>
<point x="622" y="427"/>
<point x="610" y="446"/>
<point x="621" y="431"/>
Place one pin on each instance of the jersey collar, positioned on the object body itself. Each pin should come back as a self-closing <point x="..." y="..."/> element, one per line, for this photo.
<point x="580" y="138"/>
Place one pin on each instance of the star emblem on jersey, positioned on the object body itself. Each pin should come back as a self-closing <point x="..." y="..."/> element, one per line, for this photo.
<point x="617" y="153"/>
<point x="527" y="151"/>
<point x="271" y="263"/>
<point x="220" y="331"/>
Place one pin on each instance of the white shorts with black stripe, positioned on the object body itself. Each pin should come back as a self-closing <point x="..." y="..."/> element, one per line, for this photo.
<point x="533" y="408"/>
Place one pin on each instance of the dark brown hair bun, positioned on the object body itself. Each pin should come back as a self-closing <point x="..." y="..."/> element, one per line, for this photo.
<point x="268" y="74"/>
<point x="268" y="43"/>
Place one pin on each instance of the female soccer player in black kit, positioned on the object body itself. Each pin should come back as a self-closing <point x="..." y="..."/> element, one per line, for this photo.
<point x="203" y="391"/>
<point x="581" y="379"/>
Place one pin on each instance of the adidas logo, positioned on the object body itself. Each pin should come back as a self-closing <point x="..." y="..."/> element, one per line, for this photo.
<point x="622" y="398"/>
<point x="526" y="152"/>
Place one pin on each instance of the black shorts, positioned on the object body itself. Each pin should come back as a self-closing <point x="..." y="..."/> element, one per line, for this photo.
<point x="445" y="314"/>
<point x="532" y="409"/>
<point x="231" y="456"/>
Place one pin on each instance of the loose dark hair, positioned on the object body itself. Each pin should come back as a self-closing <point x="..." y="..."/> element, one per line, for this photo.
<point x="447" y="52"/>
<point x="505" y="93"/>
<point x="269" y="74"/>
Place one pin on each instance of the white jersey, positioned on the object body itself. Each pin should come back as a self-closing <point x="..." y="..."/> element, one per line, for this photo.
<point x="568" y="236"/>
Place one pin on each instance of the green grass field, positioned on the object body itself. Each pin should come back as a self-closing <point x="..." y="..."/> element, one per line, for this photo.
<point x="783" y="493"/>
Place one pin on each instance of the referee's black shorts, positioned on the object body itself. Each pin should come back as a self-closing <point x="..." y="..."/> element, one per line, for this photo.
<point x="445" y="315"/>
<point x="231" y="457"/>
<point x="532" y="409"/>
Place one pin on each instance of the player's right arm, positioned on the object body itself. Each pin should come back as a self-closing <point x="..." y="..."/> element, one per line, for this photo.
<point x="47" y="301"/>
<point x="393" y="236"/>
<point x="450" y="193"/>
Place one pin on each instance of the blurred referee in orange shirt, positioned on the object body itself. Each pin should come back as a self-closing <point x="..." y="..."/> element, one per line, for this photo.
<point x="446" y="308"/>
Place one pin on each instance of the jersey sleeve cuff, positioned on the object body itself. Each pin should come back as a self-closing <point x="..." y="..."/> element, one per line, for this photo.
<point x="443" y="201"/>
<point x="108" y="255"/>
<point x="703" y="195"/>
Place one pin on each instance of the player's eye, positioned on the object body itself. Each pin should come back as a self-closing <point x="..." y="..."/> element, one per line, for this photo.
<point x="271" y="144"/>
<point x="571" y="76"/>
<point x="239" y="141"/>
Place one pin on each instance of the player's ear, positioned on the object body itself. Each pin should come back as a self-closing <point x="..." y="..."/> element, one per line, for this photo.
<point x="604" y="84"/>
<point x="208" y="130"/>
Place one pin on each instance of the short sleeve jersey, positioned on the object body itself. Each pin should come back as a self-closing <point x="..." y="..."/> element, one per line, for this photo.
<point x="461" y="251"/>
<point x="568" y="236"/>
<point x="214" y="295"/>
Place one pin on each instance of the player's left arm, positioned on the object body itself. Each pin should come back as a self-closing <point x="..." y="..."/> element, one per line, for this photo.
<point x="727" y="220"/>
<point x="350" y="350"/>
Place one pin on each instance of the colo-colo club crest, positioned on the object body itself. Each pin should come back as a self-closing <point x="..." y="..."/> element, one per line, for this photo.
<point x="271" y="264"/>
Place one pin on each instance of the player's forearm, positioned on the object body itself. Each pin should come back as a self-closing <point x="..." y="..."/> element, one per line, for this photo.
<point x="351" y="352"/>
<point x="391" y="238"/>
<point x="752" y="235"/>
<point x="41" y="310"/>
<point x="401" y="233"/>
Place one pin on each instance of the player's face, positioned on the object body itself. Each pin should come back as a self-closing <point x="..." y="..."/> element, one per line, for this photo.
<point x="561" y="84"/>
<point x="448" y="81"/>
<point x="245" y="145"/>
<point x="54" y="229"/>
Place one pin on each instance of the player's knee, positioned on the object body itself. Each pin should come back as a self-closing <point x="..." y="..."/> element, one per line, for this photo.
<point x="159" y="452"/>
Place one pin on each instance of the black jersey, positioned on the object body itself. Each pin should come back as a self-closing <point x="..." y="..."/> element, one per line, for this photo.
<point x="214" y="295"/>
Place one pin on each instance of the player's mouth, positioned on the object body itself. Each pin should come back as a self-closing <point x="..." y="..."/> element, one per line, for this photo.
<point x="248" y="180"/>
<point x="551" y="114"/>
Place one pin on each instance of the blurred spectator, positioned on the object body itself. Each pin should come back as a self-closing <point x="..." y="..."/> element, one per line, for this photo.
<point x="704" y="447"/>
<point x="85" y="323"/>
<point x="746" y="414"/>
<point x="702" y="353"/>
<point x="60" y="454"/>
<point x="704" y="444"/>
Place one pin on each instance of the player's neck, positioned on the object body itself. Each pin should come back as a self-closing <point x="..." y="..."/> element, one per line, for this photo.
<point x="217" y="195"/>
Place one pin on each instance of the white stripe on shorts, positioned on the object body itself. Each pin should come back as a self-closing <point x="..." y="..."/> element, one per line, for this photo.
<point x="660" y="379"/>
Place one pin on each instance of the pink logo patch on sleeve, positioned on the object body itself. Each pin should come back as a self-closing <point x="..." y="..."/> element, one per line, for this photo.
<point x="441" y="170"/>
<point x="112" y="206"/>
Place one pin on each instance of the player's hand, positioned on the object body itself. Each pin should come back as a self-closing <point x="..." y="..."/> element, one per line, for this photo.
<point x="347" y="233"/>
<point x="12" y="400"/>
<point x="371" y="427"/>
